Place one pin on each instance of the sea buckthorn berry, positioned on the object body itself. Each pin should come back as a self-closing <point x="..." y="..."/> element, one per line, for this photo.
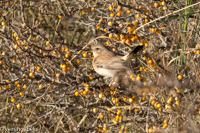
<point x="157" y="31"/>
<point x="180" y="76"/>
<point x="59" y="16"/>
<point x="91" y="77"/>
<point x="177" y="103"/>
<point x="21" y="93"/>
<point x="150" y="61"/>
<point x="54" y="52"/>
<point x="25" y="87"/>
<point x="125" y="99"/>
<point x="93" y="9"/>
<point x="150" y="130"/>
<point x="138" y="16"/>
<point x="88" y="10"/>
<point x="94" y="110"/>
<point x="48" y="42"/>
<point x="18" y="86"/>
<point x="158" y="105"/>
<point x="156" y="4"/>
<point x="79" y="62"/>
<point x="40" y="86"/>
<point x="146" y="20"/>
<point x="3" y="23"/>
<point x="153" y="102"/>
<point x="99" y="26"/>
<point x="164" y="8"/>
<point x="76" y="93"/>
<point x="163" y="2"/>
<point x="128" y="11"/>
<point x="110" y="8"/>
<point x="105" y="128"/>
<point x="119" y="14"/>
<point x="85" y="55"/>
<point x="139" y="78"/>
<point x="101" y="116"/>
<point x="17" y="38"/>
<point x="153" y="30"/>
<point x="110" y="35"/>
<point x="130" y="100"/>
<point x="18" y="106"/>
<point x="12" y="100"/>
<point x="110" y="23"/>
<point x="83" y="12"/>
<point x="31" y="74"/>
<point x="112" y="15"/>
<point x="7" y="86"/>
<point x="165" y="125"/>
<point x="34" y="39"/>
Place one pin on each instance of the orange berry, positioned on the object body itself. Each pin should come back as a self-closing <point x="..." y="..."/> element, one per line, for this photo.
<point x="157" y="31"/>
<point x="12" y="100"/>
<point x="180" y="77"/>
<point x="54" y="52"/>
<point x="91" y="77"/>
<point x="110" y="23"/>
<point x="59" y="16"/>
<point x="7" y="86"/>
<point x="83" y="12"/>
<point x="31" y="74"/>
<point x="165" y="125"/>
<point x="34" y="39"/>
<point x="18" y="86"/>
<point x="138" y="16"/>
<point x="150" y="61"/>
<point x="156" y="5"/>
<point x="40" y="86"/>
<point x="110" y="8"/>
<point x="99" y="26"/>
<point x="76" y="93"/>
<point x="48" y="42"/>
<point x="3" y="23"/>
<point x="112" y="15"/>
<point x="85" y="55"/>
<point x="18" y="106"/>
<point x="130" y="100"/>
<point x="118" y="14"/>
<point x="153" y="30"/>
<point x="21" y="93"/>
<point x="78" y="62"/>
<point x="146" y="20"/>
<point x="94" y="110"/>
<point x="101" y="116"/>
<point x="25" y="87"/>
<point x="17" y="38"/>
<point x="105" y="128"/>
<point x="164" y="8"/>
<point x="128" y="11"/>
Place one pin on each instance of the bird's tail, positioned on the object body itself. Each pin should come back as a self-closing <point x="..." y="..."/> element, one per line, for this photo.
<point x="132" y="55"/>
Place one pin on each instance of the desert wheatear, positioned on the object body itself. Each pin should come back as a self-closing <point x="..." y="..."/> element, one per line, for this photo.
<point x="109" y="64"/>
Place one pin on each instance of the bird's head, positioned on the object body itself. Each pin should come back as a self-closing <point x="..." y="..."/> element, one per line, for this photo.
<point x="97" y="49"/>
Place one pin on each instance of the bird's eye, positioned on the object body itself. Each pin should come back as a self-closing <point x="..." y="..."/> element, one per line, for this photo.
<point x="97" y="48"/>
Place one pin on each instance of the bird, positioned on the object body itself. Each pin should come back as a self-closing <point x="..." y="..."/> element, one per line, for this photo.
<point x="110" y="64"/>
